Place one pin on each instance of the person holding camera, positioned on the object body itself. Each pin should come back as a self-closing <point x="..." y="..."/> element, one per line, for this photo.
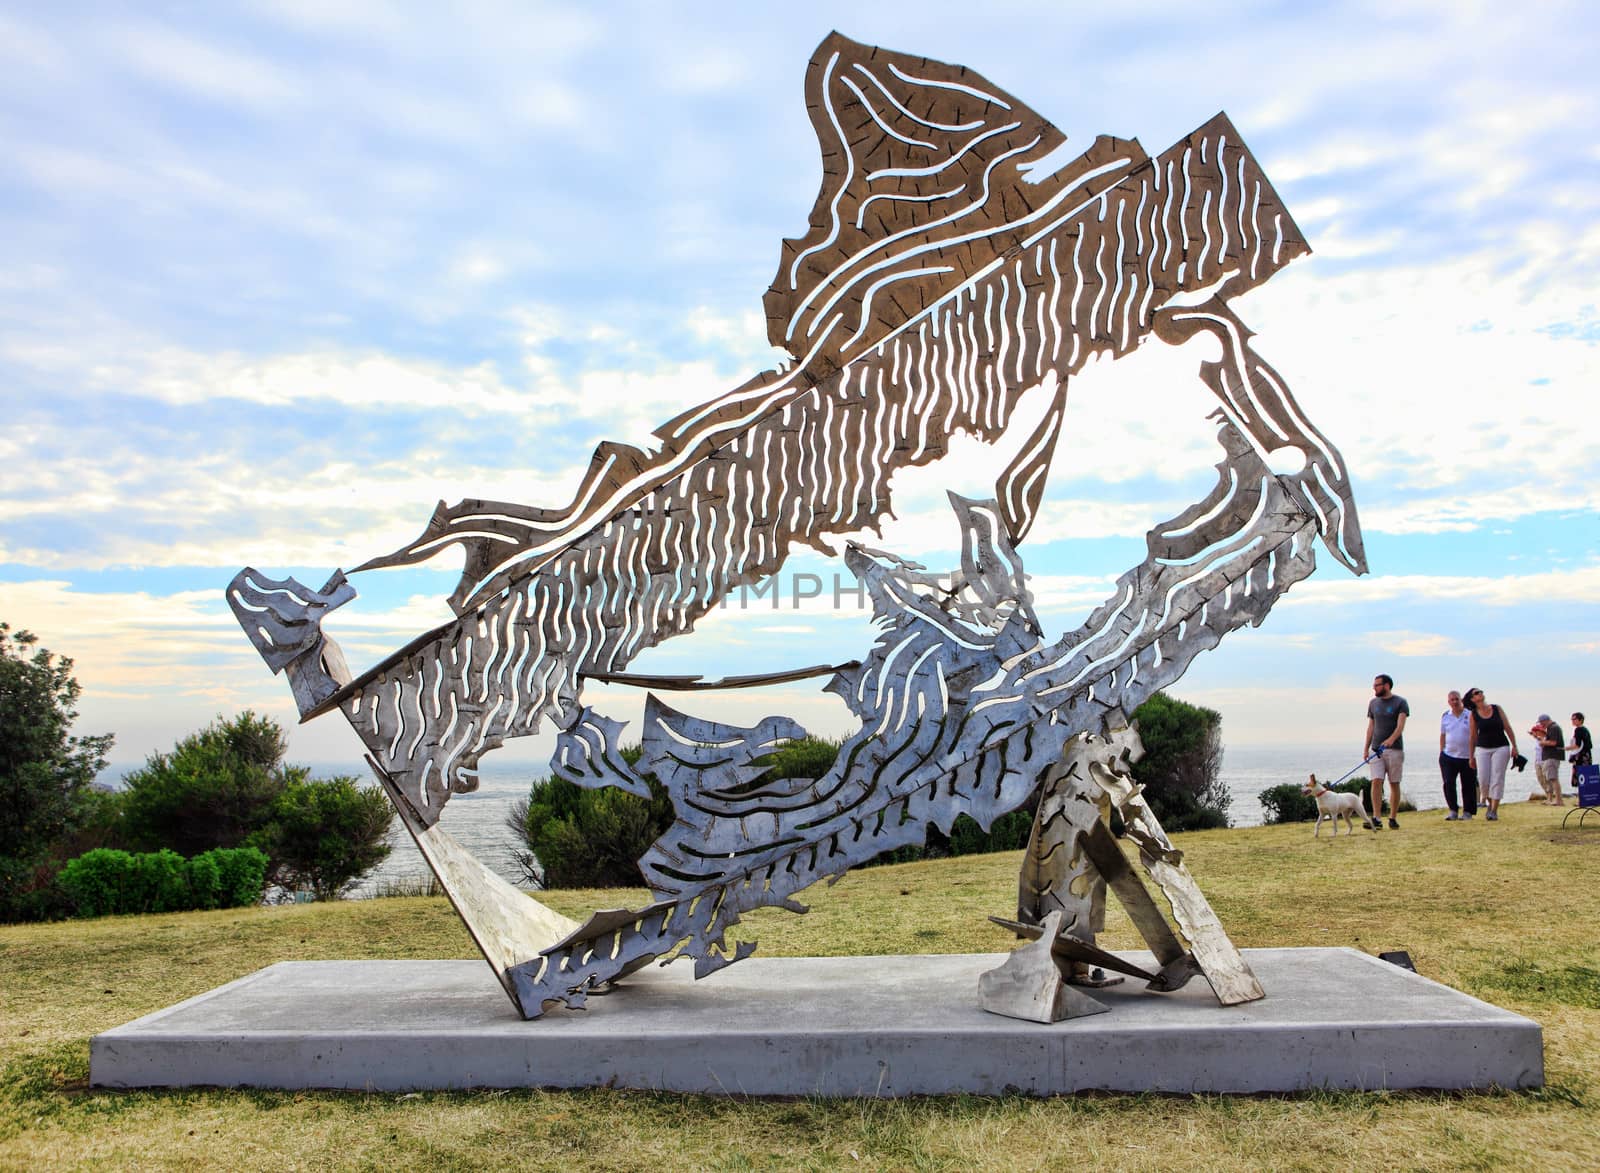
<point x="1552" y="752"/>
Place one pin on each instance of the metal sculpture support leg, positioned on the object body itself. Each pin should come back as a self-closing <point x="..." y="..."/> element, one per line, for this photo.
<point x="1033" y="983"/>
<point x="508" y="925"/>
<point x="1072" y="857"/>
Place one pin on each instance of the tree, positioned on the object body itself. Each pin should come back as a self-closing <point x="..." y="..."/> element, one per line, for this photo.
<point x="45" y="772"/>
<point x="326" y="834"/>
<point x="1182" y="763"/>
<point x="227" y="786"/>
<point x="215" y="789"/>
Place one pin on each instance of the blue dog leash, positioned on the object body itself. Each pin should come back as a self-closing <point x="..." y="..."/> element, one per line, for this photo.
<point x="1375" y="753"/>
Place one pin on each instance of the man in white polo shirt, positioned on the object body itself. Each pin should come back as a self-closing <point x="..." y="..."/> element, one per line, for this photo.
<point x="1454" y="762"/>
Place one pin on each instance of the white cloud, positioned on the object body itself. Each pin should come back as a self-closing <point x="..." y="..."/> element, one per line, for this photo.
<point x="706" y="69"/>
<point x="373" y="382"/>
<point x="1547" y="588"/>
<point x="186" y="646"/>
<point x="1408" y="644"/>
<point x="1440" y="423"/>
<point x="206" y="70"/>
<point x="1335" y="154"/>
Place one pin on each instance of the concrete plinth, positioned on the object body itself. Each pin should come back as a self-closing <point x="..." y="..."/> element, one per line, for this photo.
<point x="1332" y="1018"/>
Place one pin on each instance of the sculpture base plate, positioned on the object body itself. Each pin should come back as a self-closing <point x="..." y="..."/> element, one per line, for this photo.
<point x="836" y="1026"/>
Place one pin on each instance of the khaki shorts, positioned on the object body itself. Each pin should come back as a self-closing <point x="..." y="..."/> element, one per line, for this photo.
<point x="1549" y="769"/>
<point x="1388" y="764"/>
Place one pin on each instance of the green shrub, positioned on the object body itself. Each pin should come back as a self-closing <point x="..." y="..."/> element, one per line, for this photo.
<point x="812" y="757"/>
<point x="575" y="837"/>
<point x="160" y="882"/>
<point x="1287" y="803"/>
<point x="809" y="757"/>
<point x="108" y="882"/>
<point x="1009" y="832"/>
<point x="215" y="789"/>
<point x="241" y="875"/>
<point x="100" y="882"/>
<point x="205" y="881"/>
<point x="228" y="786"/>
<point x="581" y="838"/>
<point x="325" y="834"/>
<point x="1181" y="770"/>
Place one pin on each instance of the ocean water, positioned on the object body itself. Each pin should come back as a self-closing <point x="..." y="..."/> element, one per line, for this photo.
<point x="478" y="819"/>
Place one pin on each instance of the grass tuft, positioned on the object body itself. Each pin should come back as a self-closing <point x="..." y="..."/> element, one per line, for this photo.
<point x="1570" y="985"/>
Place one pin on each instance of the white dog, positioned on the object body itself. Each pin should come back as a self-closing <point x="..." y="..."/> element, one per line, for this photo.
<point x="1331" y="804"/>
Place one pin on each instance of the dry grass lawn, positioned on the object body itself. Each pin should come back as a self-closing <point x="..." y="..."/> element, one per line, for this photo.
<point x="1508" y="912"/>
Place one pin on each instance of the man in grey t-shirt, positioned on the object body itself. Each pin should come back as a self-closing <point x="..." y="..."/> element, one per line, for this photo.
<point x="1386" y="722"/>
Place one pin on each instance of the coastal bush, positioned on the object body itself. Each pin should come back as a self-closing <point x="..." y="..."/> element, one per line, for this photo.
<point x="571" y="836"/>
<point x="1009" y="832"/>
<point x="46" y="774"/>
<point x="812" y="757"/>
<point x="326" y="834"/>
<point x="215" y="788"/>
<point x="1182" y="764"/>
<point x="808" y="757"/>
<point x="227" y="786"/>
<point x="95" y="881"/>
<point x="241" y="875"/>
<point x="110" y="882"/>
<point x="205" y="881"/>
<point x="1288" y="803"/>
<point x="575" y="837"/>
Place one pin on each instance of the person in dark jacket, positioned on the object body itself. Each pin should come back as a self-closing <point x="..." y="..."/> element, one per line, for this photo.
<point x="1581" y="749"/>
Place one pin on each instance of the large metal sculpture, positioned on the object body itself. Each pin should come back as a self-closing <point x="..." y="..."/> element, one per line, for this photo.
<point x="956" y="258"/>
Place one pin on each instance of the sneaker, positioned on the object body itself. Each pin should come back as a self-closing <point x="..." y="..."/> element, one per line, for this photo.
<point x="1394" y="824"/>
<point x="1464" y="818"/>
<point x="1452" y="817"/>
<point x="1492" y="816"/>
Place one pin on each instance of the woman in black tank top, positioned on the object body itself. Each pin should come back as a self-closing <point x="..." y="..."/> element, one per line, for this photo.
<point x="1492" y="743"/>
<point x="1491" y="728"/>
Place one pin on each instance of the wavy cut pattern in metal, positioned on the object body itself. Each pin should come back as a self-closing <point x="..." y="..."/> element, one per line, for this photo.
<point x="956" y="257"/>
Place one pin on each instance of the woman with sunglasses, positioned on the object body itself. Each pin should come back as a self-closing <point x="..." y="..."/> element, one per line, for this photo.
<point x="1492" y="742"/>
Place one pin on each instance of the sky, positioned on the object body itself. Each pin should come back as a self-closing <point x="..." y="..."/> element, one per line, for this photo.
<point x="277" y="277"/>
